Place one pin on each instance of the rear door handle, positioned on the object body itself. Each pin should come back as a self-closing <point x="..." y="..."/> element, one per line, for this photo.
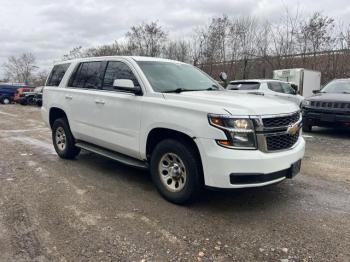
<point x="100" y="102"/>
<point x="68" y="97"/>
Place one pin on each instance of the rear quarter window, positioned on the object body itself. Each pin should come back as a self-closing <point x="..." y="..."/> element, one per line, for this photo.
<point x="57" y="74"/>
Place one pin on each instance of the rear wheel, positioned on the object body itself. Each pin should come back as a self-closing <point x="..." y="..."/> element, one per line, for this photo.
<point x="63" y="139"/>
<point x="176" y="171"/>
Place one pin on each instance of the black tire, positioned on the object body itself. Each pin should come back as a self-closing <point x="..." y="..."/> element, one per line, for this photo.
<point x="69" y="151"/>
<point x="193" y="183"/>
<point x="23" y="102"/>
<point x="307" y="128"/>
<point x="5" y="100"/>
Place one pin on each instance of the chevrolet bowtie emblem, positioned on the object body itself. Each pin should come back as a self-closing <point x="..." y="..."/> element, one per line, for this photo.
<point x="293" y="129"/>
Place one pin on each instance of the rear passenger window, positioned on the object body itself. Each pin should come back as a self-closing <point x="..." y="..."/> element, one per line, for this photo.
<point x="88" y="75"/>
<point x="117" y="70"/>
<point x="57" y="74"/>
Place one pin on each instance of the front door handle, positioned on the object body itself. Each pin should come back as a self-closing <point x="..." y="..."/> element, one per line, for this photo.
<point x="68" y="97"/>
<point x="100" y="102"/>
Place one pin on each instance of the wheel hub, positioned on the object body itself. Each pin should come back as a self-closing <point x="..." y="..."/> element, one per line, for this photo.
<point x="172" y="172"/>
<point x="60" y="138"/>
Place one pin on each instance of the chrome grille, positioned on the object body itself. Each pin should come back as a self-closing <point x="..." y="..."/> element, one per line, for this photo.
<point x="272" y="132"/>
<point x="282" y="121"/>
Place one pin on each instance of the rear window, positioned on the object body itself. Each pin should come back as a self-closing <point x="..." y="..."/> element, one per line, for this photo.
<point x="57" y="74"/>
<point x="243" y="86"/>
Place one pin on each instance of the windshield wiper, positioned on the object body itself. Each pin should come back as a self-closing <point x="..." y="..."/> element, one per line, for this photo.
<point x="213" y="88"/>
<point x="345" y="92"/>
<point x="179" y="90"/>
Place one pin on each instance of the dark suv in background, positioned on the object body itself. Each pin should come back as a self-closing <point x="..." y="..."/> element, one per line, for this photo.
<point x="7" y="93"/>
<point x="329" y="107"/>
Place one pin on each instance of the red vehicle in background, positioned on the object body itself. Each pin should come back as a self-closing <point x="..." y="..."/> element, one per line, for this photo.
<point x="17" y="97"/>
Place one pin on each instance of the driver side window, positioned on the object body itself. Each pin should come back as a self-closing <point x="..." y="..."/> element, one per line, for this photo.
<point x="117" y="70"/>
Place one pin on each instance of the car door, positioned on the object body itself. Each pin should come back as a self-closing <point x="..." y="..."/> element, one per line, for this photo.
<point x="80" y="96"/>
<point x="117" y="113"/>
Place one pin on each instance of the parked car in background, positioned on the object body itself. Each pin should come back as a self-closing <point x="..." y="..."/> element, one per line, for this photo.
<point x="279" y="89"/>
<point x="173" y="119"/>
<point x="32" y="98"/>
<point x="20" y="91"/>
<point x="329" y="107"/>
<point x="307" y="80"/>
<point x="7" y="93"/>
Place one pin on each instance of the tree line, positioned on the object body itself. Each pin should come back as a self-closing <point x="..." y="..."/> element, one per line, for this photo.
<point x="244" y="46"/>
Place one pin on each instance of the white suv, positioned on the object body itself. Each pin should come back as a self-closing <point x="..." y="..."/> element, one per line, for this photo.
<point x="269" y="87"/>
<point x="173" y="119"/>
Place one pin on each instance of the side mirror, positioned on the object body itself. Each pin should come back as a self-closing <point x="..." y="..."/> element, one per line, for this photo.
<point x="126" y="85"/>
<point x="315" y="91"/>
<point x="223" y="76"/>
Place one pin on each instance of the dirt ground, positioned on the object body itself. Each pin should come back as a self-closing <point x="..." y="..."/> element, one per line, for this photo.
<point x="94" y="209"/>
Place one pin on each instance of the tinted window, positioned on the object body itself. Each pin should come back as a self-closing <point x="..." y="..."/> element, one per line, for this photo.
<point x="276" y="86"/>
<point x="57" y="74"/>
<point x="117" y="70"/>
<point x="337" y="86"/>
<point x="88" y="75"/>
<point x="243" y="86"/>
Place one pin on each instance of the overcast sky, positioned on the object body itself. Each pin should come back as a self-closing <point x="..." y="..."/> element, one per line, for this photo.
<point x="50" y="29"/>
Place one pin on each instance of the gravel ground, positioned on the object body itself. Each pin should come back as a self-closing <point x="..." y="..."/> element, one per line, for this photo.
<point x="94" y="209"/>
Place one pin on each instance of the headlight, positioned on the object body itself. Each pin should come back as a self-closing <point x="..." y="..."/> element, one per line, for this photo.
<point x="239" y="131"/>
<point x="305" y="103"/>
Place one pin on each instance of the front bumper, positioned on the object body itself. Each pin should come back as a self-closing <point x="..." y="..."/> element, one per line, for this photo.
<point x="319" y="117"/>
<point x="220" y="165"/>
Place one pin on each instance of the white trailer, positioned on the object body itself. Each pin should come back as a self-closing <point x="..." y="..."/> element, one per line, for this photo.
<point x="306" y="80"/>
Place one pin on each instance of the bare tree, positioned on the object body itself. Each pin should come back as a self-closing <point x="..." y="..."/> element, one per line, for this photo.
<point x="20" y="69"/>
<point x="146" y="39"/>
<point x="177" y="50"/>
<point x="40" y="77"/>
<point x="317" y="32"/>
<point x="76" y="52"/>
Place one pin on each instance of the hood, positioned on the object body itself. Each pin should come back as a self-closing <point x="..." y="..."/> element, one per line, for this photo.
<point x="233" y="103"/>
<point x="328" y="97"/>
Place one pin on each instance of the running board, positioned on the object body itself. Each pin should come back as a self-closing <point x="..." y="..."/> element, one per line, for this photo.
<point x="126" y="160"/>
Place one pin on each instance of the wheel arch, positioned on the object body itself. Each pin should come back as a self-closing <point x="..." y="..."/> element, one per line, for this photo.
<point x="158" y="134"/>
<point x="56" y="113"/>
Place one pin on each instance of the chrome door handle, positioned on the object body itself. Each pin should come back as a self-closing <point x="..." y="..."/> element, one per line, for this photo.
<point x="100" y="102"/>
<point x="68" y="97"/>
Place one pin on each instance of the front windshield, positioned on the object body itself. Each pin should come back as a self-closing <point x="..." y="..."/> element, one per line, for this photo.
<point x="337" y="86"/>
<point x="172" y="77"/>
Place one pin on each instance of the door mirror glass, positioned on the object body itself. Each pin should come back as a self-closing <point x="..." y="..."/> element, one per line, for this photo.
<point x="223" y="76"/>
<point x="315" y="91"/>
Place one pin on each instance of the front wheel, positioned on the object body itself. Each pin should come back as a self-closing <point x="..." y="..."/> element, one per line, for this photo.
<point x="63" y="139"/>
<point x="176" y="171"/>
